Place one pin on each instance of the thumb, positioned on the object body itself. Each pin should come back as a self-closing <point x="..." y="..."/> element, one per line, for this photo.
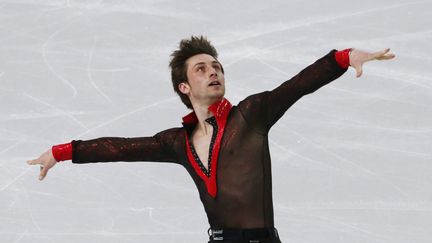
<point x="43" y="173"/>
<point x="359" y="71"/>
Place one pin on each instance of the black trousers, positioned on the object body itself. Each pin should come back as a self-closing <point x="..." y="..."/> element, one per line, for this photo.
<point x="260" y="235"/>
<point x="248" y="241"/>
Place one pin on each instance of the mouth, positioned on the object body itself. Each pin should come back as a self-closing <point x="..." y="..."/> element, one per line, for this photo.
<point x="214" y="83"/>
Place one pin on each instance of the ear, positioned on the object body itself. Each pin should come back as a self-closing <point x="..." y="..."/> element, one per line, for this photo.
<point x="184" y="88"/>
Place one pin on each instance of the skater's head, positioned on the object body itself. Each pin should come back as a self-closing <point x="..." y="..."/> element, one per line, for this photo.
<point x="196" y="74"/>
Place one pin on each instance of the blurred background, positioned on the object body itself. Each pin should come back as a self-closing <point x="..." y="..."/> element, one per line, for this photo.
<point x="351" y="162"/>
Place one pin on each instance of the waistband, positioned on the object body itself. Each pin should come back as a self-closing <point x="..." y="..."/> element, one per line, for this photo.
<point x="242" y="234"/>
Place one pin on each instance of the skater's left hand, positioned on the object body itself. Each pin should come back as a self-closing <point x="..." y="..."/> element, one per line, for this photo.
<point x="358" y="57"/>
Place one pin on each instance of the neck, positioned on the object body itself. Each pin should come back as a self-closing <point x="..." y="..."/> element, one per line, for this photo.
<point x="202" y="113"/>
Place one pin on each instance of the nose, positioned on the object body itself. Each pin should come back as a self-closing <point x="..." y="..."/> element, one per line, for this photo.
<point x="212" y="71"/>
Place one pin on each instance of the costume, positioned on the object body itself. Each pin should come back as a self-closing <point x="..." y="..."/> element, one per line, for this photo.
<point x="236" y="191"/>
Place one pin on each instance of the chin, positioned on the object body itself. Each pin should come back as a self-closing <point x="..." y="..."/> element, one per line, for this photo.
<point x="217" y="97"/>
<point x="221" y="95"/>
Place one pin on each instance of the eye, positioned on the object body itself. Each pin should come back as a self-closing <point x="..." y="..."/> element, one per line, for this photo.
<point x="200" y="69"/>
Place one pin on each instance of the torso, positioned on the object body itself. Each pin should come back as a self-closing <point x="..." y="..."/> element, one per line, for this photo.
<point x="240" y="175"/>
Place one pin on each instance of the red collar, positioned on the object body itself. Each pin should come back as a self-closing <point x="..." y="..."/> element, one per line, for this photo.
<point x="220" y="110"/>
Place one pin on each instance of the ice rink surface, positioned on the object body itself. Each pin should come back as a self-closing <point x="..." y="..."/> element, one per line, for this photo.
<point x="351" y="162"/>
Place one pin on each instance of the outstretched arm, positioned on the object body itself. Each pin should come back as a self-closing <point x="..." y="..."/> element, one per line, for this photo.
<point x="157" y="148"/>
<point x="263" y="110"/>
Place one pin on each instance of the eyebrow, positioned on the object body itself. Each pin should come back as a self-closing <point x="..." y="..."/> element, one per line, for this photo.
<point x="213" y="62"/>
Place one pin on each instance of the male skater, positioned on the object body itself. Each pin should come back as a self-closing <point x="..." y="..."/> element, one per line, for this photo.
<point x="223" y="147"/>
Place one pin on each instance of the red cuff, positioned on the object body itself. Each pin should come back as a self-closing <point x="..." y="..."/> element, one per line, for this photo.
<point x="342" y="58"/>
<point x="62" y="152"/>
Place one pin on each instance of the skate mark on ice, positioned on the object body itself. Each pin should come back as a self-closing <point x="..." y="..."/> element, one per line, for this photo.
<point x="142" y="108"/>
<point x="14" y="179"/>
<point x="51" y="68"/>
<point x="21" y="236"/>
<point x="274" y="28"/>
<point x="30" y="210"/>
<point x="58" y="110"/>
<point x="28" y="116"/>
<point x="243" y="56"/>
<point x="107" y="70"/>
<point x="337" y="223"/>
<point x="358" y="123"/>
<point x="362" y="97"/>
<point x="274" y="68"/>
<point x="293" y="163"/>
<point x="12" y="146"/>
<point x="92" y="82"/>
<point x="410" y="79"/>
<point x="355" y="165"/>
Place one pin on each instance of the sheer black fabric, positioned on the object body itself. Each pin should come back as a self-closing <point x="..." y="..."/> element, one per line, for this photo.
<point x="244" y="196"/>
<point x="158" y="148"/>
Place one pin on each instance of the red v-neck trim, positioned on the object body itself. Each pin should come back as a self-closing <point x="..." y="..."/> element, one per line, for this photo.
<point x="220" y="110"/>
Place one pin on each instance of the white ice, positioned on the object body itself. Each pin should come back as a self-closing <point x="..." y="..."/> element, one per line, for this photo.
<point x="351" y="162"/>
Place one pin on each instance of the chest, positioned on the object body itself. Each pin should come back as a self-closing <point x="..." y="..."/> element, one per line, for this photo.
<point x="203" y="146"/>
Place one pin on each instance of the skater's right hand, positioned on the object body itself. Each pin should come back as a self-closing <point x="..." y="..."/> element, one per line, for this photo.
<point x="46" y="162"/>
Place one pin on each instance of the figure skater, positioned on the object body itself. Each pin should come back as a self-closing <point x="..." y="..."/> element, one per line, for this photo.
<point x="223" y="147"/>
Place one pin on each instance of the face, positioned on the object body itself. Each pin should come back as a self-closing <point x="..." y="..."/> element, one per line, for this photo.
<point x="206" y="82"/>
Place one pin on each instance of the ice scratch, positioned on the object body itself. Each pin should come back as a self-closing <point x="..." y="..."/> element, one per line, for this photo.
<point x="57" y="109"/>
<point x="50" y="67"/>
<point x="14" y="179"/>
<point x="92" y="82"/>
<point x="127" y="114"/>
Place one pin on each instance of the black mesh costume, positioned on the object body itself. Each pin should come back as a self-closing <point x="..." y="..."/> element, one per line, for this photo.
<point x="241" y="193"/>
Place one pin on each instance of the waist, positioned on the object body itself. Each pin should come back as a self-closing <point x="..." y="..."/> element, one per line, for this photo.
<point x="253" y="235"/>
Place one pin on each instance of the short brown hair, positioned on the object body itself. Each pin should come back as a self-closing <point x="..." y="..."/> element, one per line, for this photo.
<point x="188" y="48"/>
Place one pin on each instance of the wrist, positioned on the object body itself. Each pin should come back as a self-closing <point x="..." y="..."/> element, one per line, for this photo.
<point x="62" y="152"/>
<point x="343" y="58"/>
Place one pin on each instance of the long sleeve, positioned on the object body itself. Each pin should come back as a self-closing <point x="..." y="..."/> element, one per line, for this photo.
<point x="62" y="152"/>
<point x="263" y="110"/>
<point x="158" y="148"/>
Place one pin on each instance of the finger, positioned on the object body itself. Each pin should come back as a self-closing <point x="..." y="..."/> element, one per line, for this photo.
<point x="384" y="51"/>
<point x="381" y="53"/>
<point x="43" y="173"/>
<point x="386" y="57"/>
<point x="359" y="71"/>
<point x="33" y="162"/>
